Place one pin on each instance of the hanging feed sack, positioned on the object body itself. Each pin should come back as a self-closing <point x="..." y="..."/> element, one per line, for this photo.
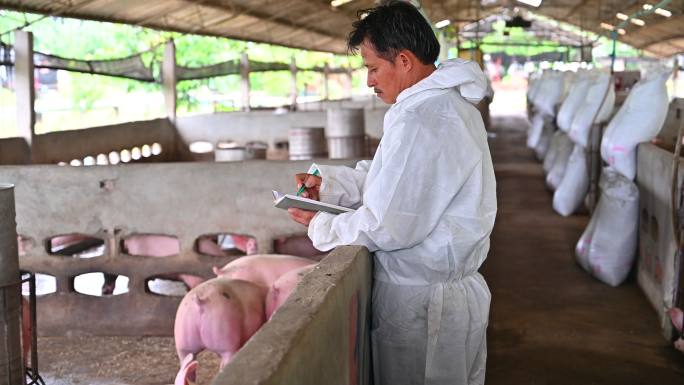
<point x="608" y="245"/>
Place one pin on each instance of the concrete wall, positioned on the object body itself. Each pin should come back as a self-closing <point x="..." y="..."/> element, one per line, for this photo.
<point x="241" y="127"/>
<point x="263" y="126"/>
<point x="319" y="336"/>
<point x="11" y="368"/>
<point x="668" y="134"/>
<point x="184" y="200"/>
<point x="657" y="265"/>
<point x="14" y="151"/>
<point x="64" y="146"/>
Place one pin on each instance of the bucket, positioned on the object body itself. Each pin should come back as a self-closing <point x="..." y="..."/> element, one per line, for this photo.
<point x="255" y="150"/>
<point x="306" y="143"/>
<point x="345" y="132"/>
<point x="230" y="154"/>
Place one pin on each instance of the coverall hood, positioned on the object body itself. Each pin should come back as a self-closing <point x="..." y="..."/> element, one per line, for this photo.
<point x="465" y="75"/>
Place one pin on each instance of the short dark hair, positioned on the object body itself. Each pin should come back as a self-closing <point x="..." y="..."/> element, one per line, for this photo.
<point x="392" y="27"/>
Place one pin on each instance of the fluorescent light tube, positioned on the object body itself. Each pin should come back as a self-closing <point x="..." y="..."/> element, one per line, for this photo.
<point x="663" y="12"/>
<point x="443" y="23"/>
<point x="337" y="3"/>
<point x="534" y="3"/>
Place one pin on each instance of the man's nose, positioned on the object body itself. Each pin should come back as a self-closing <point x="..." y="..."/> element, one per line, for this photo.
<point x="370" y="81"/>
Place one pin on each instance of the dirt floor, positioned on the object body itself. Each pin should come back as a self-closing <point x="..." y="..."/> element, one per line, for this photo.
<point x="550" y="322"/>
<point x="115" y="361"/>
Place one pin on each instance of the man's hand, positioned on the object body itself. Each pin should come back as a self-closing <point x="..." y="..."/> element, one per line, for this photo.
<point x="312" y="184"/>
<point x="301" y="216"/>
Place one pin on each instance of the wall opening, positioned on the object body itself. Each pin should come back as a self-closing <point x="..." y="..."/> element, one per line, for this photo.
<point x="25" y="244"/>
<point x="45" y="284"/>
<point x="150" y="245"/>
<point x="201" y="147"/>
<point x="299" y="245"/>
<point x="75" y="245"/>
<point x="172" y="285"/>
<point x="225" y="245"/>
<point x="100" y="284"/>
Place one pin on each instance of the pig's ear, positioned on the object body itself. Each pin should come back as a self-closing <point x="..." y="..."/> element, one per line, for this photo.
<point x="191" y="374"/>
<point x="187" y="375"/>
<point x="677" y="317"/>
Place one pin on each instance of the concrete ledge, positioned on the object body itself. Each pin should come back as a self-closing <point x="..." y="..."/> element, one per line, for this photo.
<point x="183" y="200"/>
<point x="14" y="151"/>
<point x="64" y="146"/>
<point x="657" y="271"/>
<point x="321" y="335"/>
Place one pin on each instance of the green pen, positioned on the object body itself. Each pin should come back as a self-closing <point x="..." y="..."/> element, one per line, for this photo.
<point x="301" y="189"/>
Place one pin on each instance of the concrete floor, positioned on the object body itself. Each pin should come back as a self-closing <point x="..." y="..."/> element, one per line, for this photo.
<point x="550" y="322"/>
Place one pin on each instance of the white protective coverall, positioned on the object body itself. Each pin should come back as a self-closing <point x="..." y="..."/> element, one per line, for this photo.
<point x="425" y="206"/>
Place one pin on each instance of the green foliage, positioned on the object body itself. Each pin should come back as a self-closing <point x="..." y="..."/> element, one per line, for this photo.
<point x="89" y="40"/>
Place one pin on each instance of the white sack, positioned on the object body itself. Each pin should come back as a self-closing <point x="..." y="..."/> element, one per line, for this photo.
<point x="552" y="151"/>
<point x="535" y="84"/>
<point x="608" y="245"/>
<point x="639" y="119"/>
<point x="550" y="93"/>
<point x="545" y="139"/>
<point x="535" y="131"/>
<point x="557" y="170"/>
<point x="582" y="121"/>
<point x="575" y="98"/>
<point x="572" y="189"/>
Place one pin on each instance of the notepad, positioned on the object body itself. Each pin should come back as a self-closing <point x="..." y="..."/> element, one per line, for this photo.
<point x="285" y="201"/>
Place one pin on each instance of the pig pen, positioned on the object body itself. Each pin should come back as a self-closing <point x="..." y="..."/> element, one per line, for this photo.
<point x="319" y="335"/>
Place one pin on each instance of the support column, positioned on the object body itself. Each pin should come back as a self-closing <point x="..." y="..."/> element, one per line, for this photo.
<point x="326" y="80"/>
<point x="169" y="80"/>
<point x="24" y="85"/>
<point x="11" y="365"/>
<point x="244" y="74"/>
<point x="443" y="47"/>
<point x="348" y="83"/>
<point x="293" y="84"/>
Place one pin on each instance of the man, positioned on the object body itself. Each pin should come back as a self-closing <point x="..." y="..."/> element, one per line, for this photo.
<point x="425" y="205"/>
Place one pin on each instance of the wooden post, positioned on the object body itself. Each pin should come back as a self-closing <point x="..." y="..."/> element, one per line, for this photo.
<point x="24" y="85"/>
<point x="443" y="47"/>
<point x="326" y="85"/>
<point x="169" y="80"/>
<point x="293" y="87"/>
<point x="348" y="83"/>
<point x="244" y="73"/>
<point x="11" y="368"/>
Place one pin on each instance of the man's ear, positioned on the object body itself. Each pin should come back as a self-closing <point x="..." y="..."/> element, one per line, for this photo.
<point x="405" y="60"/>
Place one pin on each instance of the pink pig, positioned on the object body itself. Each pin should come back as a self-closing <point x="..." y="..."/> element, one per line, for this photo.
<point x="299" y="245"/>
<point x="281" y="289"/>
<point x="677" y="317"/>
<point x="261" y="269"/>
<point x="219" y="315"/>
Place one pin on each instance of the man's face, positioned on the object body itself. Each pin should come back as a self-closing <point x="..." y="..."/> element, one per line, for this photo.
<point x="385" y="77"/>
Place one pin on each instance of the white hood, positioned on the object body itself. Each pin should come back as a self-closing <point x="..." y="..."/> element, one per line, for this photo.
<point x="464" y="75"/>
